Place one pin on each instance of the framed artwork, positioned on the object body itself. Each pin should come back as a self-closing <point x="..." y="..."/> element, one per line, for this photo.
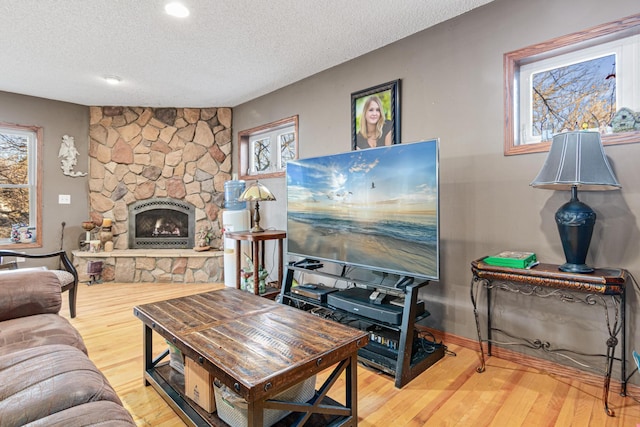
<point x="265" y="150"/>
<point x="375" y="116"/>
<point x="582" y="81"/>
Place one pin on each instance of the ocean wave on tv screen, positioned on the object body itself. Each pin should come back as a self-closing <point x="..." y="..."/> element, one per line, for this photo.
<point x="422" y="230"/>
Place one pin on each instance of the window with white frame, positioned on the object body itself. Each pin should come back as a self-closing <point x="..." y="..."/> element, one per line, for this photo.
<point x="583" y="89"/>
<point x="261" y="158"/>
<point x="19" y="192"/>
<point x="286" y="149"/>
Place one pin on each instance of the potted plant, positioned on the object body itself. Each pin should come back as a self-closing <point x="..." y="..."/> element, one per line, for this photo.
<point x="246" y="276"/>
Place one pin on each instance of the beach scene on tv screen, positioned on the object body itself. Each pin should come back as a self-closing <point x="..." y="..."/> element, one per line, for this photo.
<point x="375" y="208"/>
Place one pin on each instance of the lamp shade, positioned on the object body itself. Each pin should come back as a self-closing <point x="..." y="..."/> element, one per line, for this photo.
<point x="256" y="193"/>
<point x="576" y="159"/>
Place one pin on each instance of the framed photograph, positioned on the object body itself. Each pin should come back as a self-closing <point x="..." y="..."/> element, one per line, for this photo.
<point x="375" y="116"/>
<point x="265" y="150"/>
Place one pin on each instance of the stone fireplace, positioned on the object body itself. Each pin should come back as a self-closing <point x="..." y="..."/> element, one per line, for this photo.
<point x="139" y="155"/>
<point x="161" y="223"/>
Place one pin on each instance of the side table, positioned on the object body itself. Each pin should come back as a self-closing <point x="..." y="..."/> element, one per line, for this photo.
<point x="257" y="240"/>
<point x="603" y="287"/>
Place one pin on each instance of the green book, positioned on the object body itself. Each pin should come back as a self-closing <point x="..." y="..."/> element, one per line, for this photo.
<point x="512" y="259"/>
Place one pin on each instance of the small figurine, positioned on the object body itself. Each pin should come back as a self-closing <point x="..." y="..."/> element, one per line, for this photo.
<point x="625" y="120"/>
<point x="203" y="238"/>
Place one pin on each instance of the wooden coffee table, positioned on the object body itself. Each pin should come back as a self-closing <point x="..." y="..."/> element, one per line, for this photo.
<point x="258" y="348"/>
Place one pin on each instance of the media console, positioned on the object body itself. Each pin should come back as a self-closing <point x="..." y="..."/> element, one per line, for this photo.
<point x="387" y="312"/>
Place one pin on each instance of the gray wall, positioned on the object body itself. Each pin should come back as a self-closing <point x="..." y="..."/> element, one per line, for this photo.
<point x="452" y="88"/>
<point x="57" y="119"/>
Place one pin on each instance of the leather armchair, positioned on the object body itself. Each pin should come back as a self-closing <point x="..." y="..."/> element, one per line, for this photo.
<point x="66" y="273"/>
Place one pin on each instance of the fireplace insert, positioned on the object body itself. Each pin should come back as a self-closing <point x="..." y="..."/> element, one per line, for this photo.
<point x="161" y="223"/>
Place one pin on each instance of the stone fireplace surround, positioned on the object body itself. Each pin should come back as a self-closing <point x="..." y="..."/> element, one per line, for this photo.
<point x="140" y="153"/>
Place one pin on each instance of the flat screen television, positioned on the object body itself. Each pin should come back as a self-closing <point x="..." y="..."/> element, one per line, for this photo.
<point x="375" y="208"/>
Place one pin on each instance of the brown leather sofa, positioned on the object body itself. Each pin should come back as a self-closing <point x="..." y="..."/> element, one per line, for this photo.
<point x="46" y="376"/>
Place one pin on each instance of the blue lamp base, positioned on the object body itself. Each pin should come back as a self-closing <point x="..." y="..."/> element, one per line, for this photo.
<point x="575" y="221"/>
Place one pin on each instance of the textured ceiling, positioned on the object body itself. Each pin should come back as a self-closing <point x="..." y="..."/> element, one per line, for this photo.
<point x="225" y="53"/>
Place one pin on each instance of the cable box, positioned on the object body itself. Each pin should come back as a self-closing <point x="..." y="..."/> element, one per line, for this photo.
<point x="358" y="301"/>
<point x="314" y="292"/>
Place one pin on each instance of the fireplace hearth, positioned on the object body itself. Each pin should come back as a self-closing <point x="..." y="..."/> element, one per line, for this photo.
<point x="161" y="223"/>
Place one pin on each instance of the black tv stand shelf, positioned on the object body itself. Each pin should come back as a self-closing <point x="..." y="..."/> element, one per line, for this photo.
<point x="412" y="356"/>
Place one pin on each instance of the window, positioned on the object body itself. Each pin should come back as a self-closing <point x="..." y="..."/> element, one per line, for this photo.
<point x="287" y="149"/>
<point x="261" y="158"/>
<point x="265" y="150"/>
<point x="20" y="195"/>
<point x="586" y="80"/>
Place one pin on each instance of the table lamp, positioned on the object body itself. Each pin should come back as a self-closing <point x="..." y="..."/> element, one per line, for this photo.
<point x="256" y="192"/>
<point x="575" y="161"/>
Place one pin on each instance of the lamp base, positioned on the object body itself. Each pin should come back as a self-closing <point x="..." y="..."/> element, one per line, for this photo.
<point x="576" y="268"/>
<point x="256" y="220"/>
<point x="575" y="221"/>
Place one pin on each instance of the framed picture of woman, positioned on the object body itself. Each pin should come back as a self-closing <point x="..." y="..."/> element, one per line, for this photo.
<point x="375" y="116"/>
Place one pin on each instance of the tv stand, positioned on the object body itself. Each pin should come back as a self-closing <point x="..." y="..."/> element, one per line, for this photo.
<point x="403" y="282"/>
<point x="398" y="350"/>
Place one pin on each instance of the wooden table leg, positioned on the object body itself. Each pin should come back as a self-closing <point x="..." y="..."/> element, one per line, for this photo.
<point x="238" y="264"/>
<point x="280" y="262"/>
<point x="261" y="243"/>
<point x="255" y="414"/>
<point x="256" y="268"/>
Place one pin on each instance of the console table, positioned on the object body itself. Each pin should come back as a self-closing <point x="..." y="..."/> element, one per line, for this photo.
<point x="257" y="240"/>
<point x="603" y="287"/>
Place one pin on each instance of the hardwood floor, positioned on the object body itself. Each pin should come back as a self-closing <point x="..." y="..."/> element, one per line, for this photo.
<point x="450" y="393"/>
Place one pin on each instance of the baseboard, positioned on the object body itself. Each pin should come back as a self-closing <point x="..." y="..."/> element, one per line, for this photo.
<point x="548" y="366"/>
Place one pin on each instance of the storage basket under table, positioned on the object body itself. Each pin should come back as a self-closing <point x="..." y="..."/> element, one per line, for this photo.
<point x="232" y="409"/>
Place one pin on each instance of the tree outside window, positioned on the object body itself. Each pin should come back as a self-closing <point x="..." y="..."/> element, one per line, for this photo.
<point x="262" y="154"/>
<point x="18" y="177"/>
<point x="287" y="144"/>
<point x="577" y="96"/>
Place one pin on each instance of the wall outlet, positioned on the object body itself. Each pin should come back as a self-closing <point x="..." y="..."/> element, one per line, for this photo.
<point x="64" y="199"/>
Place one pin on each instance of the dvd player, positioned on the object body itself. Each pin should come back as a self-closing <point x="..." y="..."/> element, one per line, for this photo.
<point x="358" y="301"/>
<point x="314" y="292"/>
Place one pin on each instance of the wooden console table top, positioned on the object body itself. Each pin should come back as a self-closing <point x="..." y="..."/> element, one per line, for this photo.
<point x="256" y="236"/>
<point x="603" y="281"/>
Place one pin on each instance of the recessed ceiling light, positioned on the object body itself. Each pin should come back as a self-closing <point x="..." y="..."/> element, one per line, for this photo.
<point x="176" y="9"/>
<point x="113" y="80"/>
